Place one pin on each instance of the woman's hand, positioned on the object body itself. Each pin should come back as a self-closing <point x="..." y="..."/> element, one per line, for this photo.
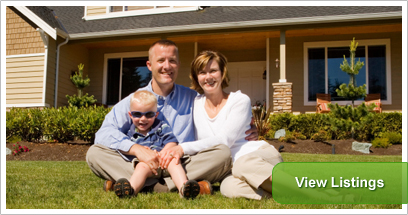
<point x="252" y="132"/>
<point x="167" y="154"/>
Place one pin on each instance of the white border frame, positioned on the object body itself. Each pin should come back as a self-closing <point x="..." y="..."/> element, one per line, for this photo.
<point x="327" y="44"/>
<point x="105" y="69"/>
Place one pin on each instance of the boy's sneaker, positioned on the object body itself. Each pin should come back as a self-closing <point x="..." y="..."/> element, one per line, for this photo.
<point x="190" y="189"/>
<point x="122" y="188"/>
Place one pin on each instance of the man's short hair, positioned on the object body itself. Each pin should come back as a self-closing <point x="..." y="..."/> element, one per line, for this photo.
<point x="164" y="43"/>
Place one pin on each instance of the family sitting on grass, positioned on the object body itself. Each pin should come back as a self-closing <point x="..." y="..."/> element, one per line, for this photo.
<point x="167" y="137"/>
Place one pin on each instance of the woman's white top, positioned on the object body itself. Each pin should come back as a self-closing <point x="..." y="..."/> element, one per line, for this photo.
<point x="228" y="127"/>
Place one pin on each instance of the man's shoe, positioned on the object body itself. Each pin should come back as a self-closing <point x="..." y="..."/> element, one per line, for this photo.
<point x="108" y="185"/>
<point x="205" y="187"/>
<point x="122" y="188"/>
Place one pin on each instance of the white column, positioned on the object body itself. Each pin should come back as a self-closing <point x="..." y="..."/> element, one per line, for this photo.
<point x="282" y="56"/>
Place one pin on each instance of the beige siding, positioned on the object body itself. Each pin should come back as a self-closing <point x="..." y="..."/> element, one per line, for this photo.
<point x="294" y="66"/>
<point x="70" y="57"/>
<point x="21" y="38"/>
<point x="24" y="80"/>
<point x="95" y="10"/>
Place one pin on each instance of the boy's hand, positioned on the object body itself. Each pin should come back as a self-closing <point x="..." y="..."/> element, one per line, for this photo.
<point x="146" y="155"/>
<point x="252" y="132"/>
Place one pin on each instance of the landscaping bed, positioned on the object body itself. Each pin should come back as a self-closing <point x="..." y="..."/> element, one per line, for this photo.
<point x="76" y="151"/>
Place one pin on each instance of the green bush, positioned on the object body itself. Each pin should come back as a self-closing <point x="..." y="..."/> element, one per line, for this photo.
<point x="393" y="137"/>
<point x="311" y="124"/>
<point x="25" y="123"/>
<point x="381" y="143"/>
<point x="62" y="124"/>
<point x="321" y="136"/>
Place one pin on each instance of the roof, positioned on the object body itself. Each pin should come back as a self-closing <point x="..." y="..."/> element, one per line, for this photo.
<point x="208" y="18"/>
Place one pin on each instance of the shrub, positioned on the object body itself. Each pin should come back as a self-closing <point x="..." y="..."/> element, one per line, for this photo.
<point x="393" y="137"/>
<point x="321" y="136"/>
<point x="291" y="136"/>
<point x="25" y="123"/>
<point x="62" y="124"/>
<point x="381" y="143"/>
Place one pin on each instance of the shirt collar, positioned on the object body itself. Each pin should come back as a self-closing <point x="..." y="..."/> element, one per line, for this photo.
<point x="156" y="125"/>
<point x="171" y="95"/>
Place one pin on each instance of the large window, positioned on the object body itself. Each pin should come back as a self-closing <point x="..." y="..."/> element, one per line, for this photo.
<point x="124" y="74"/>
<point x="323" y="73"/>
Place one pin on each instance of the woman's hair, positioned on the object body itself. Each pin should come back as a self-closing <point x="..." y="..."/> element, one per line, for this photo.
<point x="201" y="61"/>
<point x="143" y="96"/>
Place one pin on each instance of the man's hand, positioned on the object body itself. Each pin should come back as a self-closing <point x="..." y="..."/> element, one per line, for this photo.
<point x="167" y="154"/>
<point x="146" y="155"/>
<point x="252" y="132"/>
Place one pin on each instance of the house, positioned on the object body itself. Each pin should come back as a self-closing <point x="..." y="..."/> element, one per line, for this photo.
<point x="278" y="55"/>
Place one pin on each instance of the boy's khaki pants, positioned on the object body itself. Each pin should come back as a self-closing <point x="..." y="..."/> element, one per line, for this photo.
<point x="212" y="164"/>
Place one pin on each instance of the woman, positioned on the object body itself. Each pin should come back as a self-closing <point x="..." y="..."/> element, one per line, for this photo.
<point x="221" y="117"/>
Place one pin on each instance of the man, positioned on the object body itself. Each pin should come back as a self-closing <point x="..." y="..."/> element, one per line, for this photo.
<point x="175" y="105"/>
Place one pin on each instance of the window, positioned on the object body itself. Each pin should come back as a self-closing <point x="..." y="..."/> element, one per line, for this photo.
<point x="124" y="11"/>
<point x="323" y="73"/>
<point x="123" y="75"/>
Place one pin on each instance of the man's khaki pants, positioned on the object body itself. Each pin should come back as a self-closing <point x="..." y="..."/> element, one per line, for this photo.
<point x="212" y="164"/>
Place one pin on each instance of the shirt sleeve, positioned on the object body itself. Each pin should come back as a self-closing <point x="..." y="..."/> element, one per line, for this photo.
<point x="237" y="122"/>
<point x="113" y="132"/>
<point x="167" y="134"/>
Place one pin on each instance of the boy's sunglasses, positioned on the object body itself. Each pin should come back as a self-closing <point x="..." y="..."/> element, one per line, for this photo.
<point x="148" y="114"/>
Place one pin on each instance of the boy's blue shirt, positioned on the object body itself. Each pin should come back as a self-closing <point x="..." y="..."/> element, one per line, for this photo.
<point x="156" y="138"/>
<point x="176" y="110"/>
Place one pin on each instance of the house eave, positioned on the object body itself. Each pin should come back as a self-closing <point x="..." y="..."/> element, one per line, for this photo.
<point x="52" y="32"/>
<point x="240" y="24"/>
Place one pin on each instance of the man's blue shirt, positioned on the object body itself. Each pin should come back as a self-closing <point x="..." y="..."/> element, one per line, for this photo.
<point x="176" y="110"/>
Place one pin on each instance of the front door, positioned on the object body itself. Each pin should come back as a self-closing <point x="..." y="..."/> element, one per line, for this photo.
<point x="247" y="77"/>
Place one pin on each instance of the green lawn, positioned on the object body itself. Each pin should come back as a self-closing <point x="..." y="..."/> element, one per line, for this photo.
<point x="71" y="185"/>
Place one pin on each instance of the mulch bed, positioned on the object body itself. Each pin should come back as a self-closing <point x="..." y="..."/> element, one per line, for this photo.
<point x="77" y="151"/>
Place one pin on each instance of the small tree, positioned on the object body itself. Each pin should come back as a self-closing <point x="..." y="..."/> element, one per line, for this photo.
<point x="348" y="118"/>
<point x="351" y="91"/>
<point x="80" y="83"/>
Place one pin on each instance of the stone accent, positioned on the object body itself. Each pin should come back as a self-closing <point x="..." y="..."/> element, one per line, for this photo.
<point x="282" y="97"/>
<point x="361" y="147"/>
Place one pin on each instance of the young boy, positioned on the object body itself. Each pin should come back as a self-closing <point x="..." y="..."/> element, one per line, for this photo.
<point x="156" y="135"/>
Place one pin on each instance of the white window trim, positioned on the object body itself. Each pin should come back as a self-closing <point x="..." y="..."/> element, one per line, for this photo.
<point x="328" y="44"/>
<point x="105" y="69"/>
<point x="152" y="11"/>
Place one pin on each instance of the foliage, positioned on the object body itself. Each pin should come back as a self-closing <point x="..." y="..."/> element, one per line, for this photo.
<point x="351" y="91"/>
<point x="80" y="83"/>
<point x="393" y="137"/>
<point x="348" y="118"/>
<point x="261" y="120"/>
<point x="18" y="149"/>
<point x="321" y="136"/>
<point x="310" y="124"/>
<point x="83" y="101"/>
<point x="24" y="123"/>
<point x="57" y="124"/>
<point x="291" y="136"/>
<point x="381" y="142"/>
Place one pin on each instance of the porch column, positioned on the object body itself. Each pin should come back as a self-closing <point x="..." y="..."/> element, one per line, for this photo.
<point x="282" y="56"/>
<point x="282" y="97"/>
